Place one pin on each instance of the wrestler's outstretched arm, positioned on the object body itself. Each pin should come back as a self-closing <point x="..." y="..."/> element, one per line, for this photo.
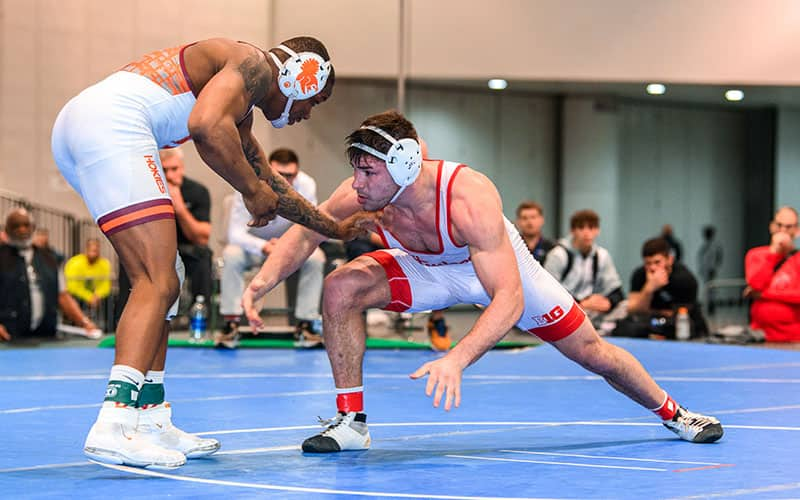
<point x="292" y="205"/>
<point x="293" y="248"/>
<point x="477" y="217"/>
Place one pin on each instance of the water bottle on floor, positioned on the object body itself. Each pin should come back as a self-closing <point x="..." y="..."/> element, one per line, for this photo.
<point x="197" y="320"/>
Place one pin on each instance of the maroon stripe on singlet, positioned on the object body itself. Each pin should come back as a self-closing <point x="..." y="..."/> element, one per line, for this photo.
<point x="137" y="222"/>
<point x="183" y="67"/>
<point x="133" y="215"/>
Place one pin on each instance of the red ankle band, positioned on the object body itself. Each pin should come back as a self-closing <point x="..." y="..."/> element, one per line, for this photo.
<point x="351" y="401"/>
<point x="668" y="409"/>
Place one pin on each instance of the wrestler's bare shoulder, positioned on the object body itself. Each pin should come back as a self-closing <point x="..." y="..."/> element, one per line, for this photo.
<point x="206" y="58"/>
<point x="469" y="185"/>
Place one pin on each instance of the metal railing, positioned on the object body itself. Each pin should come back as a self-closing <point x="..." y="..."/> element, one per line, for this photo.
<point x="67" y="233"/>
<point x="725" y="304"/>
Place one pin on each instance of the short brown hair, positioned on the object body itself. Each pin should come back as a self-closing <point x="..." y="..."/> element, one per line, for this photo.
<point x="391" y="122"/>
<point x="655" y="246"/>
<point x="284" y="156"/>
<point x="527" y="205"/>
<point x="307" y="44"/>
<point x="583" y="218"/>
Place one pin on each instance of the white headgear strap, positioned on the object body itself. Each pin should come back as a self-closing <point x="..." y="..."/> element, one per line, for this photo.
<point x="403" y="159"/>
<point x="301" y="76"/>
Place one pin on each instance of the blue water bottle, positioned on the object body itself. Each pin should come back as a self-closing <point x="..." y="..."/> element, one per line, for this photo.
<point x="197" y="320"/>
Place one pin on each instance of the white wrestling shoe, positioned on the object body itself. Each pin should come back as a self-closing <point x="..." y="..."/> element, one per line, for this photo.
<point x="694" y="427"/>
<point x="345" y="432"/>
<point x="155" y="425"/>
<point x="113" y="439"/>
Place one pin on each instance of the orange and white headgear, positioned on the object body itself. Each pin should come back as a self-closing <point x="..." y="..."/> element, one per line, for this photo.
<point x="301" y="76"/>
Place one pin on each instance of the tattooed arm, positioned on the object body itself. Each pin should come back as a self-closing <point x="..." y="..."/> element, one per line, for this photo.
<point x="221" y="104"/>
<point x="291" y="204"/>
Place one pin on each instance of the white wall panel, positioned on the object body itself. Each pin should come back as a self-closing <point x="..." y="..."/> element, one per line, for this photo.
<point x="361" y="35"/>
<point x="746" y="41"/>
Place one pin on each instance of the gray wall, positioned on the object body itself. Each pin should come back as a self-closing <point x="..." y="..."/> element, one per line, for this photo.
<point x="683" y="167"/>
<point x="640" y="166"/>
<point x="787" y="174"/>
<point x="508" y="138"/>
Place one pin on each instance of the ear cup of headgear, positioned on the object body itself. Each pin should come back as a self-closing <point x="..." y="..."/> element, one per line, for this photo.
<point x="404" y="160"/>
<point x="303" y="75"/>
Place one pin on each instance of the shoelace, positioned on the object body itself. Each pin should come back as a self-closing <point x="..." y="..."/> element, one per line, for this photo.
<point x="330" y="422"/>
<point x="694" y="421"/>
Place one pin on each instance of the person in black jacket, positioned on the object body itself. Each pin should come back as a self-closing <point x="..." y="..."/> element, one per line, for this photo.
<point x="662" y="285"/>
<point x="192" y="204"/>
<point x="32" y="285"/>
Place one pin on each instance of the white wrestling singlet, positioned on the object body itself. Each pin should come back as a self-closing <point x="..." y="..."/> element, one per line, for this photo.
<point x="421" y="281"/>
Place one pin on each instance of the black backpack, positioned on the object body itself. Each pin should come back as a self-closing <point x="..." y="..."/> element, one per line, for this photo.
<point x="570" y="258"/>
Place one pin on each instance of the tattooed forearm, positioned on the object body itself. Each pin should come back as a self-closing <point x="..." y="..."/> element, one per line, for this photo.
<point x="253" y="154"/>
<point x="292" y="206"/>
<point x="254" y="72"/>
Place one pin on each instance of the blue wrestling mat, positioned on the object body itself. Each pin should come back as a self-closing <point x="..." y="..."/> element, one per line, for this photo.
<point x="531" y="425"/>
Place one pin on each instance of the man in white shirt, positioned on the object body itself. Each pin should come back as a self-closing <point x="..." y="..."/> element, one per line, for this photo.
<point x="587" y="270"/>
<point x="248" y="247"/>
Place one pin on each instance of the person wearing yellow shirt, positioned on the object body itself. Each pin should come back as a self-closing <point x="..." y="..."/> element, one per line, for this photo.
<point x="89" y="275"/>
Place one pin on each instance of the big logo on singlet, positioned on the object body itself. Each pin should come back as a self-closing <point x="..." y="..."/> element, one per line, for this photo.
<point x="550" y="317"/>
<point x="153" y="166"/>
<point x="442" y="263"/>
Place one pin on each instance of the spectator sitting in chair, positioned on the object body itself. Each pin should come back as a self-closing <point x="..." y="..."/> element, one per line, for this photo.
<point x="32" y="286"/>
<point x="585" y="269"/>
<point x="249" y="247"/>
<point x="530" y="219"/>
<point x="658" y="288"/>
<point x="192" y="215"/>
<point x="89" y="275"/>
<point x="773" y="278"/>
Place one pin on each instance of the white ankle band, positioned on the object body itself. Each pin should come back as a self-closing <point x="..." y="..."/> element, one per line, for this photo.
<point x="349" y="390"/>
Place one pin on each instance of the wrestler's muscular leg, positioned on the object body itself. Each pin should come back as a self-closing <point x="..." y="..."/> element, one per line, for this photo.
<point x="147" y="253"/>
<point x="160" y="358"/>
<point x="348" y="292"/>
<point x="616" y="365"/>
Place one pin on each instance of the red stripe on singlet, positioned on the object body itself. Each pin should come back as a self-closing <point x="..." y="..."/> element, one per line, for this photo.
<point x="398" y="281"/>
<point x="563" y="328"/>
